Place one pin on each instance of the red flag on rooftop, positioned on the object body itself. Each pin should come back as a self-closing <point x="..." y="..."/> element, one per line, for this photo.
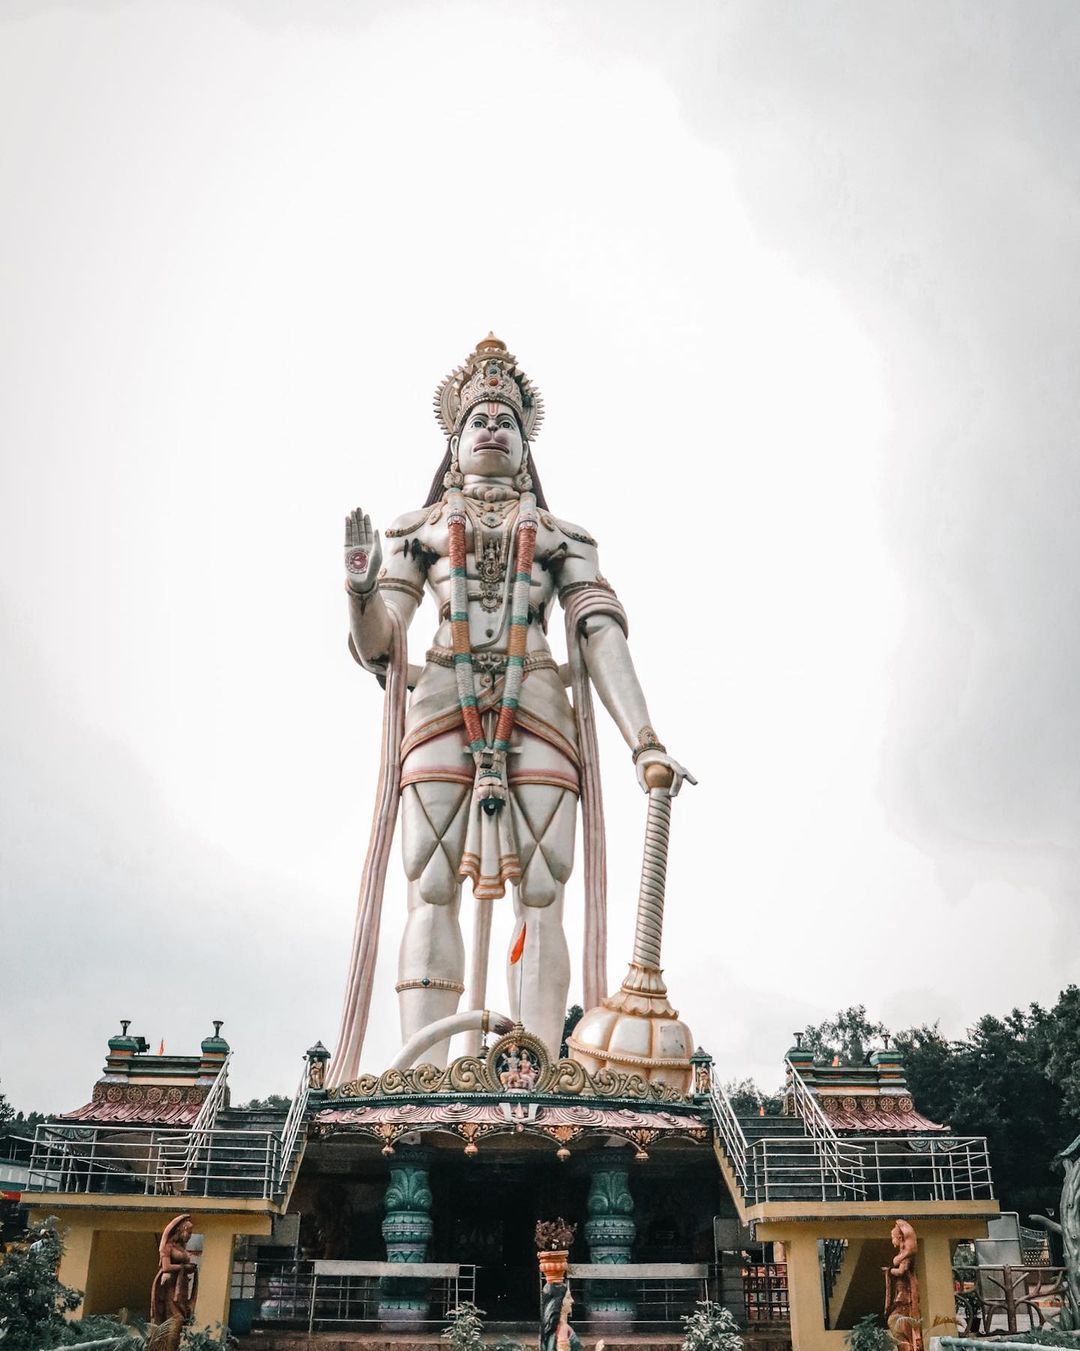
<point x="161" y="1046"/>
<point x="519" y="945"/>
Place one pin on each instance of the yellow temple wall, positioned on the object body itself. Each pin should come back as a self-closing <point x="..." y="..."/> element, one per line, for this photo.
<point x="933" y="1266"/>
<point x="120" y="1272"/>
<point x="110" y="1251"/>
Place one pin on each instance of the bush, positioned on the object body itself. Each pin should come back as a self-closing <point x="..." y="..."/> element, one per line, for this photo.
<point x="221" y="1339"/>
<point x="869" y="1335"/>
<point x="32" y="1300"/>
<point x="465" y="1329"/>
<point x="711" y="1328"/>
<point x="97" y="1326"/>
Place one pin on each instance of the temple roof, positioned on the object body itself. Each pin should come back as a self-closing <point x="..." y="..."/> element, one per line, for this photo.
<point x="125" y="1112"/>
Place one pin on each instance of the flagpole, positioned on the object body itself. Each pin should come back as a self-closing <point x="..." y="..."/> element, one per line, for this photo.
<point x="517" y="953"/>
<point x="479" y="974"/>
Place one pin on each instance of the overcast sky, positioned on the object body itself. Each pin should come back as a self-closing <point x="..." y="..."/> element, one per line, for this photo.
<point x="800" y="285"/>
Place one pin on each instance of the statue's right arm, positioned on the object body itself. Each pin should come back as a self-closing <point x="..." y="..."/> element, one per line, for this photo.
<point x="372" y="587"/>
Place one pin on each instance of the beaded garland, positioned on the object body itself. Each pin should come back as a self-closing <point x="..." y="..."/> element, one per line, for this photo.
<point x="490" y="759"/>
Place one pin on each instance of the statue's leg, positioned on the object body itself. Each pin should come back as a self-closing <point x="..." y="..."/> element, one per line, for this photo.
<point x="544" y="820"/>
<point x="433" y="819"/>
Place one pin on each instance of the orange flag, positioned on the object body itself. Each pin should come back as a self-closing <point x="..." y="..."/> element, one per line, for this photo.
<point x="161" y="1047"/>
<point x="519" y="945"/>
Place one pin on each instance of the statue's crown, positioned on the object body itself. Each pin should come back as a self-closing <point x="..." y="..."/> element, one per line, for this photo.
<point x="490" y="374"/>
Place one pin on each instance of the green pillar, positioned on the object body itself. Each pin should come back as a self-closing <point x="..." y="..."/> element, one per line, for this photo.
<point x="609" y="1232"/>
<point x="403" y="1301"/>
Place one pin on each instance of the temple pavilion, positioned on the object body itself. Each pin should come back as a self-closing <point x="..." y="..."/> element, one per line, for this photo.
<point x="378" y="1205"/>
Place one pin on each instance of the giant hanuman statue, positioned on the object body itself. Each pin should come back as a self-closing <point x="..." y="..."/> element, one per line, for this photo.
<point x="489" y="757"/>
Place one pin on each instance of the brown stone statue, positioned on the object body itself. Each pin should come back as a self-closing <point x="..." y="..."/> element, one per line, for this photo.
<point x="902" y="1312"/>
<point x="176" y="1285"/>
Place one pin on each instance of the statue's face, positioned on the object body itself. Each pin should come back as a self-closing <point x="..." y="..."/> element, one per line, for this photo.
<point x="490" y="444"/>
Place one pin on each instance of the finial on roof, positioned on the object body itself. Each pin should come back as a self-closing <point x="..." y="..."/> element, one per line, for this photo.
<point x="125" y="1023"/>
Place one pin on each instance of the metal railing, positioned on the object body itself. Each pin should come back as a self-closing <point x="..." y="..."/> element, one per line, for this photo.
<point x="659" y="1293"/>
<point x="873" y="1168"/>
<point x="837" y="1158"/>
<point x="731" y="1132"/>
<point x="313" y="1293"/>
<point x="197" y="1143"/>
<point x="925" y="1167"/>
<point x="134" y="1160"/>
<point x="833" y="1252"/>
<point x="294" y="1124"/>
<point x="215" y="1100"/>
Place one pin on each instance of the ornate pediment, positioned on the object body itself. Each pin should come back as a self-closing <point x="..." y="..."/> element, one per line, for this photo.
<point x="517" y="1064"/>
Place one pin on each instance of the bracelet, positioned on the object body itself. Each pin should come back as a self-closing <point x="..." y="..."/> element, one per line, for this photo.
<point x="647" y="741"/>
<point x="362" y="594"/>
<point x="430" y="983"/>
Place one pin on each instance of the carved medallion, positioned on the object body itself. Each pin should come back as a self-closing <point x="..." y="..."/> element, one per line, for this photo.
<point x="517" y="1061"/>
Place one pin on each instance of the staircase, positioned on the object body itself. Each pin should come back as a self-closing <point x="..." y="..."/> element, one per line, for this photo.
<point x="787" y="1167"/>
<point x="241" y="1156"/>
<point x="257" y="1124"/>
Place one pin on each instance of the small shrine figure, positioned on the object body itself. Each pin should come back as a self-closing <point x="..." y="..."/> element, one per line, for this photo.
<point x="176" y="1285"/>
<point x="518" y="1068"/>
<point x="529" y="1071"/>
<point x="902" y="1311"/>
<point x="508" y="1074"/>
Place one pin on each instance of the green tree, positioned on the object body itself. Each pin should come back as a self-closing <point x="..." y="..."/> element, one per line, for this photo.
<point x="850" y="1035"/>
<point x="574" y="1015"/>
<point x="16" y="1123"/>
<point x="1000" y="1082"/>
<point x="1059" y="1038"/>
<point x="32" y="1300"/>
<point x="747" y="1099"/>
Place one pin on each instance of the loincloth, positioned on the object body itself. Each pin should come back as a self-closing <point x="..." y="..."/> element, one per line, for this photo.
<point x="543" y="751"/>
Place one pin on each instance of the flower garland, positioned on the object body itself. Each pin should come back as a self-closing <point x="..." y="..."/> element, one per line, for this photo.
<point x="490" y="759"/>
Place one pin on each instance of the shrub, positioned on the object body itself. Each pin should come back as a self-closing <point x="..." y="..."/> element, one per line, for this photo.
<point x="464" y="1332"/>
<point x="869" y="1335"/>
<point x="32" y="1300"/>
<point x="711" y="1328"/>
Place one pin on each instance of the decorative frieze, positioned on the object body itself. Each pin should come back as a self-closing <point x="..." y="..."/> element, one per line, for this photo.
<point x="516" y="1063"/>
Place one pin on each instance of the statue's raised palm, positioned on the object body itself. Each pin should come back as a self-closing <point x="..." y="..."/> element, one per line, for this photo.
<point x="363" y="551"/>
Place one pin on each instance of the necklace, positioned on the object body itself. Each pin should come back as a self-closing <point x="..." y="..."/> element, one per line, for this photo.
<point x="492" y="549"/>
<point x="490" y="758"/>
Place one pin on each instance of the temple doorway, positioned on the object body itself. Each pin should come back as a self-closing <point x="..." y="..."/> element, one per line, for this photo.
<point x="486" y="1213"/>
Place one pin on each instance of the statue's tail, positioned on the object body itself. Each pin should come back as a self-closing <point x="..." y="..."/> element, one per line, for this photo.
<point x="345" y="1064"/>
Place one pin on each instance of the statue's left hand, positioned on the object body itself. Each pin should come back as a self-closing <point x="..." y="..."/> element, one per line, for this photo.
<point x="662" y="758"/>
